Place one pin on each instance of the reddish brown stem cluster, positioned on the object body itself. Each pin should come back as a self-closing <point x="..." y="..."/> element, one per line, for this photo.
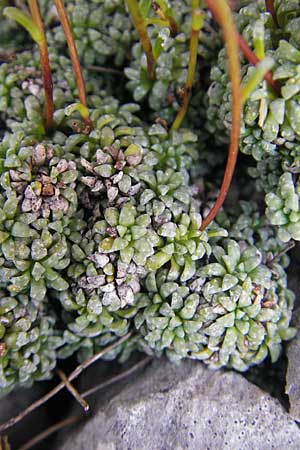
<point x="222" y="13"/>
<point x="271" y="9"/>
<point x="63" y="17"/>
<point x="253" y="59"/>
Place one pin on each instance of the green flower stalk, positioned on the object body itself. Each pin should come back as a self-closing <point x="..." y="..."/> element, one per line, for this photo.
<point x="165" y="94"/>
<point x="256" y="77"/>
<point x="197" y="24"/>
<point x="140" y="25"/>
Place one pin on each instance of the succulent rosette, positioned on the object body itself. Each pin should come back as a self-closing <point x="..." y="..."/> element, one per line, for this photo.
<point x="28" y="342"/>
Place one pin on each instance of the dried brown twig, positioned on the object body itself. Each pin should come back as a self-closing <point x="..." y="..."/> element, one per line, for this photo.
<point x="79" y="369"/>
<point x="282" y="252"/>
<point x="101" y="69"/>
<point x="74" y="419"/>
<point x="73" y="391"/>
<point x="51" y="430"/>
<point x="143" y="363"/>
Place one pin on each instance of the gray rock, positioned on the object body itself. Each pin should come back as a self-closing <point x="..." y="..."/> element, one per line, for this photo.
<point x="293" y="378"/>
<point x="187" y="408"/>
<point x="292" y="388"/>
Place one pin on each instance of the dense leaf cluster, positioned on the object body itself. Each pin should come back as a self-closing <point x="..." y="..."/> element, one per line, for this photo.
<point x="100" y="226"/>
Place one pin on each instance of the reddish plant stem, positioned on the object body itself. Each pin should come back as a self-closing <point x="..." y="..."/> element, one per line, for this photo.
<point x="270" y="8"/>
<point x="223" y="15"/>
<point x="63" y="17"/>
<point x="253" y="59"/>
<point x="141" y="28"/>
<point x="46" y="70"/>
<point x="173" y="25"/>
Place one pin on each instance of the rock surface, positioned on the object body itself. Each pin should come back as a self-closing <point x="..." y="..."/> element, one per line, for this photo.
<point x="187" y="408"/>
<point x="293" y="378"/>
<point x="292" y="388"/>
